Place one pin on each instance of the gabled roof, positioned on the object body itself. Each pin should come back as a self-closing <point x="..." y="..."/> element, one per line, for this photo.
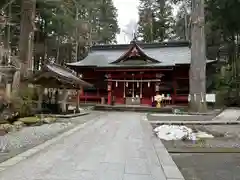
<point x="53" y="75"/>
<point x="134" y="51"/>
<point x="163" y="54"/>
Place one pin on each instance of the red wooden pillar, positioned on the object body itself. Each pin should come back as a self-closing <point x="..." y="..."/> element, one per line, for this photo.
<point x="174" y="89"/>
<point x="141" y="87"/>
<point x="81" y="94"/>
<point x="109" y="88"/>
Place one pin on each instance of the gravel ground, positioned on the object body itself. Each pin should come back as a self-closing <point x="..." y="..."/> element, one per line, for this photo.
<point x="226" y="136"/>
<point x="28" y="137"/>
<point x="208" y="166"/>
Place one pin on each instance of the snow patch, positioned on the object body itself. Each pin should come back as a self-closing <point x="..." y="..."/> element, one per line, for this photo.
<point x="174" y="132"/>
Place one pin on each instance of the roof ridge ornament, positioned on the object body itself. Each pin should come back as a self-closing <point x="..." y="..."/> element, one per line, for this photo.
<point x="135" y="50"/>
<point x="134" y="38"/>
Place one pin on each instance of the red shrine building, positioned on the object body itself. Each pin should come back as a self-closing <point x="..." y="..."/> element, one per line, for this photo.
<point x="134" y="73"/>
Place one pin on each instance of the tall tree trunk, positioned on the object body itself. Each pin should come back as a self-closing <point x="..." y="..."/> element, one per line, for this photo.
<point x="27" y="26"/>
<point x="197" y="73"/>
<point x="28" y="9"/>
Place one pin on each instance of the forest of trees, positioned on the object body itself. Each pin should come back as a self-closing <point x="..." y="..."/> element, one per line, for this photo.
<point x="156" y="20"/>
<point x="58" y="25"/>
<point x="63" y="31"/>
<point x="222" y="32"/>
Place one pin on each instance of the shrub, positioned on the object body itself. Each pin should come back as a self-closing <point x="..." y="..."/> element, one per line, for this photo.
<point x="23" y="102"/>
<point x="30" y="120"/>
<point x="7" y="127"/>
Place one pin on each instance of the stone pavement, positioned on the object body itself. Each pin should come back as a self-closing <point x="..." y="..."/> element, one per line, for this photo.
<point x="118" y="146"/>
<point x="229" y="114"/>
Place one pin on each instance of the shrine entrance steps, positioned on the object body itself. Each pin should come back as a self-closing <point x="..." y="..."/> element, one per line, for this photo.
<point x="133" y="108"/>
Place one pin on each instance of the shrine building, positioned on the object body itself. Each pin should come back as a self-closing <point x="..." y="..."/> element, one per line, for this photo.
<point x="134" y="73"/>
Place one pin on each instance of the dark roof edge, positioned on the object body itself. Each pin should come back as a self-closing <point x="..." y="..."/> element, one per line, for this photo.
<point x="142" y="45"/>
<point x="65" y="68"/>
<point x="134" y="45"/>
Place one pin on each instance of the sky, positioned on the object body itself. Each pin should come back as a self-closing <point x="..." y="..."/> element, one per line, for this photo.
<point x="127" y="19"/>
<point x="127" y="16"/>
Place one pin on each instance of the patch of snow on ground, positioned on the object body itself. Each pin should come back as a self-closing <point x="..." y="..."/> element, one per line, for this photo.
<point x="174" y="132"/>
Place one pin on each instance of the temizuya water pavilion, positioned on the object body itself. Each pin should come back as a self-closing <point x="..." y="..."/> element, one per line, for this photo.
<point x="55" y="82"/>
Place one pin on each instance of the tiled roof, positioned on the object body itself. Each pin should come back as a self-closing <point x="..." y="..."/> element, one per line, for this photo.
<point x="59" y="73"/>
<point x="166" y="54"/>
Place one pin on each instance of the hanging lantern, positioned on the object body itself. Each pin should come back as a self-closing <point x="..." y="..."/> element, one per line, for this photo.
<point x="126" y="84"/>
<point x="137" y="84"/>
<point x="116" y="84"/>
<point x="45" y="91"/>
<point x="148" y="84"/>
<point x="109" y="87"/>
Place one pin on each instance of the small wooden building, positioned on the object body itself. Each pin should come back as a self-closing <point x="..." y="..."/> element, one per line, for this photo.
<point x="134" y="73"/>
<point x="54" y="81"/>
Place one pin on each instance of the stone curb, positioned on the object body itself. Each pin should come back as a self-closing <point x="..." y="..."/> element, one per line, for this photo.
<point x="67" y="115"/>
<point x="16" y="159"/>
<point x="169" y="167"/>
<point x="221" y="150"/>
<point x="195" y="122"/>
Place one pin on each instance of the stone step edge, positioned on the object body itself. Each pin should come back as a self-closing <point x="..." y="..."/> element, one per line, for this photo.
<point x="203" y="150"/>
<point x="195" y="122"/>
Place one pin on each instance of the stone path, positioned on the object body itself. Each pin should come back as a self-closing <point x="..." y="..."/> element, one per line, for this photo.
<point x="118" y="146"/>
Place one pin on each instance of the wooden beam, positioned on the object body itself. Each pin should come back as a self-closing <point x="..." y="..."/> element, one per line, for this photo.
<point x="135" y="80"/>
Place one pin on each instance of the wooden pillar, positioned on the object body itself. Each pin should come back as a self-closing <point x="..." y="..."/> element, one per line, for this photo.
<point x="81" y="91"/>
<point x="82" y="94"/>
<point x="64" y="100"/>
<point x="40" y="91"/>
<point x="109" y="88"/>
<point x="78" y="100"/>
<point x="141" y="88"/>
<point x="124" y="89"/>
<point x="8" y="89"/>
<point x="174" y="84"/>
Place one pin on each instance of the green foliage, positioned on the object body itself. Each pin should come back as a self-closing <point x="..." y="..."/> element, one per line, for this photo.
<point x="104" y="22"/>
<point x="224" y="15"/>
<point x="183" y="21"/>
<point x="64" y="22"/>
<point x="222" y="22"/>
<point x="30" y="120"/>
<point x="156" y="20"/>
<point x="226" y="86"/>
<point x="97" y="18"/>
